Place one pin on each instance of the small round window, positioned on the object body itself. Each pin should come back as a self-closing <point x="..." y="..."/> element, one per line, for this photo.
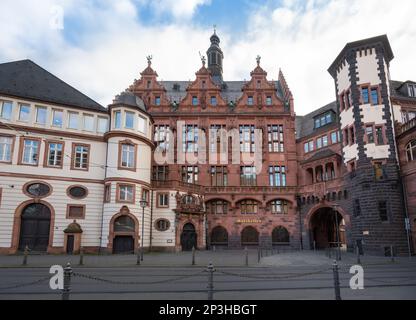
<point x="162" y="225"/>
<point x="77" y="192"/>
<point x="38" y="190"/>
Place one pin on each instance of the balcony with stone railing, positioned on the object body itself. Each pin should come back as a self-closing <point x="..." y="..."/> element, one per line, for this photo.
<point x="402" y="128"/>
<point x="177" y="186"/>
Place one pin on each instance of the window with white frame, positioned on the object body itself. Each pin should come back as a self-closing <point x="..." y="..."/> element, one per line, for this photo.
<point x="102" y="125"/>
<point x="129" y="120"/>
<point x="277" y="176"/>
<point x="161" y="136"/>
<point x="30" y="154"/>
<point x="117" y="119"/>
<point x="24" y="112"/>
<point x="247" y="138"/>
<point x="6" y="110"/>
<point x="411" y="151"/>
<point x="41" y="115"/>
<point x="55" y="154"/>
<point x="142" y="125"/>
<point x="81" y="157"/>
<point x="6" y="146"/>
<point x="126" y="193"/>
<point x="57" y="118"/>
<point x="128" y="156"/>
<point x="73" y="120"/>
<point x="275" y="138"/>
<point x="88" y="122"/>
<point x="190" y="138"/>
<point x="248" y="176"/>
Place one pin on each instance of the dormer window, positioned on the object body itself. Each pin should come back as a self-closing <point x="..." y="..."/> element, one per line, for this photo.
<point x="129" y="120"/>
<point x="117" y="119"/>
<point x="323" y="120"/>
<point x="269" y="101"/>
<point x="194" y="100"/>
<point x="213" y="101"/>
<point x="412" y="90"/>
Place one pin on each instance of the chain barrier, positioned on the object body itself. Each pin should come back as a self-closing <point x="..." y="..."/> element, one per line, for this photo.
<point x="80" y="275"/>
<point x="299" y="275"/>
<point x="26" y="284"/>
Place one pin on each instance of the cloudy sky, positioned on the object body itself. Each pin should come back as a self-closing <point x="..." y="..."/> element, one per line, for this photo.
<point x="100" y="46"/>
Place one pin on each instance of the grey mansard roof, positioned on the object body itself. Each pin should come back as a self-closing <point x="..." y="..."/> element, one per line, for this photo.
<point x="25" y="79"/>
<point x="399" y="90"/>
<point x="129" y="99"/>
<point x="305" y="125"/>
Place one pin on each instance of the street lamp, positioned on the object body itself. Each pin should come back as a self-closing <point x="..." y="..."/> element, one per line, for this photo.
<point x="143" y="204"/>
<point x="334" y="207"/>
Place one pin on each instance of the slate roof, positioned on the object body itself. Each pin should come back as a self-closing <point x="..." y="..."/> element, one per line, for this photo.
<point x="398" y="90"/>
<point x="231" y="90"/>
<point x="305" y="125"/>
<point x="25" y="79"/>
<point x="325" y="153"/>
<point x="129" y="99"/>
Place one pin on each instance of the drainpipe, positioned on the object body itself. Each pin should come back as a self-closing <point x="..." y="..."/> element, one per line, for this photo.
<point x="151" y="221"/>
<point x="299" y="208"/>
<point x="102" y="215"/>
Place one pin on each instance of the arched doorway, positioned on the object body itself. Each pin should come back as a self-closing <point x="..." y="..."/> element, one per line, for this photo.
<point x="324" y="228"/>
<point x="123" y="242"/>
<point x="280" y="236"/>
<point x="35" y="227"/>
<point x="219" y="236"/>
<point x="249" y="237"/>
<point x="188" y="237"/>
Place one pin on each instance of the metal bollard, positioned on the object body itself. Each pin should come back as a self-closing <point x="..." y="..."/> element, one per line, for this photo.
<point x="67" y="282"/>
<point x="138" y="257"/>
<point x="211" y="271"/>
<point x="314" y="246"/>
<point x="214" y="248"/>
<point x="336" y="281"/>
<point x="258" y="255"/>
<point x="81" y="256"/>
<point x="358" y="256"/>
<point x="25" y="254"/>
<point x="193" y="256"/>
<point x="391" y="253"/>
<point x="246" y="255"/>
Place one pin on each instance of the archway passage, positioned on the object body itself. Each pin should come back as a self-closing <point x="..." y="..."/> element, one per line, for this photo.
<point x="249" y="237"/>
<point x="188" y="237"/>
<point x="325" y="231"/>
<point x="35" y="227"/>
<point x="123" y="242"/>
<point x="219" y="236"/>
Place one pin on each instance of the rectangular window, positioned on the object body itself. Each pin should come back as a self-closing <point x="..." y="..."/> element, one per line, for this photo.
<point x="54" y="154"/>
<point x="30" y="152"/>
<point x="213" y="101"/>
<point x="248" y="176"/>
<point x="319" y="143"/>
<point x="365" y="96"/>
<point x="190" y="174"/>
<point x="107" y="193"/>
<point x="311" y="146"/>
<point x="88" y="122"/>
<point x="142" y="125"/>
<point x="219" y="176"/>
<point x="190" y="138"/>
<point x="6" y="110"/>
<point x="382" y="209"/>
<point x="73" y="120"/>
<point x="346" y="137"/>
<point x="352" y="133"/>
<point x="250" y="101"/>
<point x="277" y="176"/>
<point x="117" y="119"/>
<point x="370" y="134"/>
<point x="328" y="118"/>
<point x="24" y="113"/>
<point x="280" y="207"/>
<point x="249" y="207"/>
<point x="160" y="173"/>
<point x="6" y="149"/>
<point x="380" y="136"/>
<point x="102" y="125"/>
<point x="57" y="118"/>
<point x="157" y="101"/>
<point x="129" y="121"/>
<point x="374" y="96"/>
<point x="334" y="137"/>
<point x="75" y="211"/>
<point x="357" y="208"/>
<point x="41" y="115"/>
<point x="194" y="100"/>
<point x="412" y="90"/>
<point x="145" y="195"/>
<point x="80" y="157"/>
<point x="215" y="139"/>
<point x="378" y="171"/>
<point x="348" y="99"/>
<point x="269" y="101"/>
<point x="324" y="141"/>
<point x="163" y="200"/>
<point x="128" y="155"/>
<point x="247" y="138"/>
<point x="306" y="147"/>
<point x="275" y="138"/>
<point x="125" y="193"/>
<point x="317" y="123"/>
<point x="218" y="207"/>
<point x="161" y="136"/>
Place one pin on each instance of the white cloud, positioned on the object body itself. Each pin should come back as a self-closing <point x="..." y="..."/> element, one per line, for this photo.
<point x="301" y="37"/>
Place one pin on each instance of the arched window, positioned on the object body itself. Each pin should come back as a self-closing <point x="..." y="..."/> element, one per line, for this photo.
<point x="124" y="224"/>
<point x="249" y="236"/>
<point x="219" y="236"/>
<point x="279" y="207"/>
<point x="249" y="207"/>
<point x="188" y="199"/>
<point x="411" y="151"/>
<point x="280" y="235"/>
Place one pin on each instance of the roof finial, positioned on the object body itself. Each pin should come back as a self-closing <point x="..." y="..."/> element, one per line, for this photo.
<point x="149" y="60"/>
<point x="215" y="29"/>
<point x="203" y="59"/>
<point x="258" y="58"/>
